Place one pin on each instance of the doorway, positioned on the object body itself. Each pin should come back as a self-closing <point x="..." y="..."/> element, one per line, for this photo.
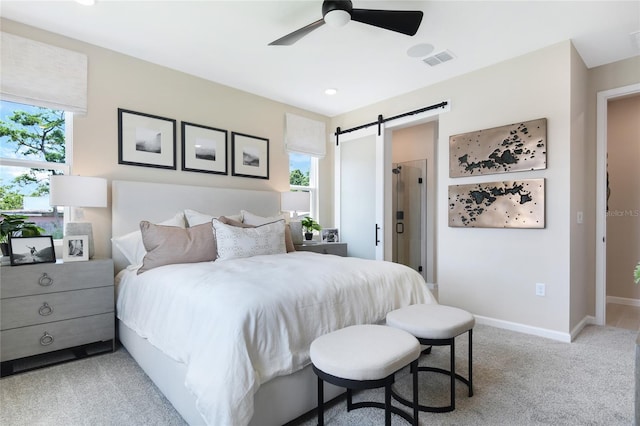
<point x="603" y="99"/>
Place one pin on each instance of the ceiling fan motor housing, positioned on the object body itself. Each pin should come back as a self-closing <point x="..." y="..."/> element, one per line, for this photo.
<point x="336" y="13"/>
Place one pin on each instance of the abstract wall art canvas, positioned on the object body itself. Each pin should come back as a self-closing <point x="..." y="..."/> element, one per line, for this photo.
<point x="506" y="204"/>
<point x="510" y="148"/>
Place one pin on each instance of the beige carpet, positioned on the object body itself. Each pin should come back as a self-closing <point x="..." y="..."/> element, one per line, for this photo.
<point x="519" y="380"/>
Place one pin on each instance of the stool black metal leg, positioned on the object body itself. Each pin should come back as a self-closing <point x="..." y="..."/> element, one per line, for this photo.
<point x="349" y="399"/>
<point x="387" y="404"/>
<point x="416" y="403"/>
<point x="453" y="374"/>
<point x="320" y="402"/>
<point x="470" y="357"/>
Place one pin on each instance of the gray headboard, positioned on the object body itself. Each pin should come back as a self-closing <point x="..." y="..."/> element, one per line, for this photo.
<point x="132" y="202"/>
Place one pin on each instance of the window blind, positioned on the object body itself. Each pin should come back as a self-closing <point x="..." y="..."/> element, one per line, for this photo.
<point x="44" y="75"/>
<point x="305" y="136"/>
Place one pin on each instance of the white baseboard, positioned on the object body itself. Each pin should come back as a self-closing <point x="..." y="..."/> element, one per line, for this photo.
<point x="623" y="301"/>
<point x="526" y="329"/>
<point x="587" y="320"/>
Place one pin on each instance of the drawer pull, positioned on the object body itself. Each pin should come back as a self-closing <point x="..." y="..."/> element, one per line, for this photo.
<point x="46" y="339"/>
<point x="45" y="280"/>
<point x="45" y="309"/>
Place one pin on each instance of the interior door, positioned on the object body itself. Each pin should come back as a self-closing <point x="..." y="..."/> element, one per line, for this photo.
<point x="360" y="194"/>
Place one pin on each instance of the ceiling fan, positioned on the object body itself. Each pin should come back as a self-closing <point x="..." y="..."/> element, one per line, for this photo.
<point x="339" y="12"/>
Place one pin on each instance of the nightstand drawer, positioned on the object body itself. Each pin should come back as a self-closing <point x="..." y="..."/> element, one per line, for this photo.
<point x="38" y="339"/>
<point x="339" y="249"/>
<point x="43" y="308"/>
<point x="54" y="277"/>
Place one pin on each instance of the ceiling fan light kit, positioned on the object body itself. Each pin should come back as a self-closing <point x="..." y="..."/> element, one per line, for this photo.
<point x="337" y="13"/>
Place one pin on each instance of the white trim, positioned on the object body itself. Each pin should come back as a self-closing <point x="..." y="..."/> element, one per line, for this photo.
<point x="603" y="98"/>
<point x="587" y="320"/>
<point x="623" y="301"/>
<point x="523" y="328"/>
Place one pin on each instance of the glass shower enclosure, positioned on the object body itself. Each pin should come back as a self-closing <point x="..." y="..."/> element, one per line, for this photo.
<point x="409" y="214"/>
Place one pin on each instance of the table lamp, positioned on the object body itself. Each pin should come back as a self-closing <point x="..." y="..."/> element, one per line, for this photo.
<point x="78" y="192"/>
<point x="295" y="201"/>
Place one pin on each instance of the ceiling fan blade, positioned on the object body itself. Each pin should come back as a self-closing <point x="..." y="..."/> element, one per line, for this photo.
<point x="401" y="21"/>
<point x="291" y="38"/>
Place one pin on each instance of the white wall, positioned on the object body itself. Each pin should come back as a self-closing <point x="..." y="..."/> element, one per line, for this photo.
<point x="120" y="81"/>
<point x="492" y="272"/>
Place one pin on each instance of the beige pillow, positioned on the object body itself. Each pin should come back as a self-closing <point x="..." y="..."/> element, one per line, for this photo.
<point x="235" y="242"/>
<point x="168" y="245"/>
<point x="251" y="219"/>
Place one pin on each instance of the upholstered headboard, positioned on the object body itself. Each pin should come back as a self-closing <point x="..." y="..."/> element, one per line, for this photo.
<point x="132" y="202"/>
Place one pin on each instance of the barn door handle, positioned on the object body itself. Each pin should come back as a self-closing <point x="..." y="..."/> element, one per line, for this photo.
<point x="377" y="238"/>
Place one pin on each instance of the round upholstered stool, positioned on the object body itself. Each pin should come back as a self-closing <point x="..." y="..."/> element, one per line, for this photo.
<point x="437" y="325"/>
<point x="365" y="357"/>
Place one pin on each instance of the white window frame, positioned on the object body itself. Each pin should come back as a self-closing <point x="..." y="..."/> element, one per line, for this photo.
<point x="312" y="188"/>
<point x="65" y="167"/>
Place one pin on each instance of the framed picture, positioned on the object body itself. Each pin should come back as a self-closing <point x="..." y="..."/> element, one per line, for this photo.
<point x="250" y="156"/>
<point x="75" y="248"/>
<point x="30" y="250"/>
<point x="330" y="235"/>
<point x="146" y="140"/>
<point x="204" y="149"/>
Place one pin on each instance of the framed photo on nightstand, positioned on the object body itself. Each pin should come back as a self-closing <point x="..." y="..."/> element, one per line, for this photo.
<point x="330" y="235"/>
<point x="75" y="248"/>
<point x="30" y="250"/>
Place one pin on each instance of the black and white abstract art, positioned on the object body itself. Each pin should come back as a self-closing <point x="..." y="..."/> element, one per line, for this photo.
<point x="506" y="204"/>
<point x="510" y="148"/>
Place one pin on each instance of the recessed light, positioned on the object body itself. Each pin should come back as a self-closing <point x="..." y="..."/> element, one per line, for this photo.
<point x="420" y="50"/>
<point x="86" y="2"/>
<point x="331" y="92"/>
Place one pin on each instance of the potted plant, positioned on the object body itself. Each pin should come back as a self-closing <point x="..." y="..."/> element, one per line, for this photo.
<point x="309" y="225"/>
<point x="636" y="274"/>
<point x="16" y="225"/>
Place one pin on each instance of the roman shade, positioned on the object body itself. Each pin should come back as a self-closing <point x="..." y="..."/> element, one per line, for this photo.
<point x="44" y="75"/>
<point x="305" y="136"/>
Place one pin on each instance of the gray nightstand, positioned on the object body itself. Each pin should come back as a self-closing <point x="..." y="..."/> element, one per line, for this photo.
<point x="49" y="307"/>
<point x="339" y="249"/>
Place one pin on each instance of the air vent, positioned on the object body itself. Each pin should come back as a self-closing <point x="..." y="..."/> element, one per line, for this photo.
<point x="438" y="58"/>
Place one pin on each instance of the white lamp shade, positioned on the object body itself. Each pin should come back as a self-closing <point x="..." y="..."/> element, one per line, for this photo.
<point x="298" y="201"/>
<point x="77" y="191"/>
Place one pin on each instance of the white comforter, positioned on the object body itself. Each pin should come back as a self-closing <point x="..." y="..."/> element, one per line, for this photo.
<point x="239" y="323"/>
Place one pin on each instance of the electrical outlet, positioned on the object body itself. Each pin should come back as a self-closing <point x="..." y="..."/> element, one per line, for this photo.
<point x="540" y="289"/>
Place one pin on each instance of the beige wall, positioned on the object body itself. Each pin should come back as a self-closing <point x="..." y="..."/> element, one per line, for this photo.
<point x="623" y="220"/>
<point x="582" y="234"/>
<point x="492" y="272"/>
<point x="119" y="81"/>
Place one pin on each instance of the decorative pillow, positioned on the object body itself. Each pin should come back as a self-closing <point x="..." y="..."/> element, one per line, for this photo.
<point x="131" y="244"/>
<point x="234" y="242"/>
<point x="252" y="219"/>
<point x="196" y="218"/>
<point x="167" y="245"/>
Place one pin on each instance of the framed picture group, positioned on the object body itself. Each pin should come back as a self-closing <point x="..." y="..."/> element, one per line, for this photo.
<point x="147" y="140"/>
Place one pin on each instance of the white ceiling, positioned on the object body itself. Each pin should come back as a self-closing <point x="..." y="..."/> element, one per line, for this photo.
<point x="226" y="41"/>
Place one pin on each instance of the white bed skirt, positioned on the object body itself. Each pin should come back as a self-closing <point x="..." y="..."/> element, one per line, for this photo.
<point x="277" y="402"/>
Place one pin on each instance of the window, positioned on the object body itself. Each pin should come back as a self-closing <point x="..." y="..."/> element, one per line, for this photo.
<point x="303" y="177"/>
<point x="33" y="146"/>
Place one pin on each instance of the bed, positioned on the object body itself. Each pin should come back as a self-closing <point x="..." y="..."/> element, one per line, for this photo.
<point x="226" y="341"/>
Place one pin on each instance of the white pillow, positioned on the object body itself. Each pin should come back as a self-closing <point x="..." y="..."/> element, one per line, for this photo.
<point x="234" y="242"/>
<point x="131" y="244"/>
<point x="196" y="218"/>
<point x="253" y="219"/>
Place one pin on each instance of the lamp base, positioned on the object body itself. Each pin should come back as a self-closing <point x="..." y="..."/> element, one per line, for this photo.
<point x="81" y="228"/>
